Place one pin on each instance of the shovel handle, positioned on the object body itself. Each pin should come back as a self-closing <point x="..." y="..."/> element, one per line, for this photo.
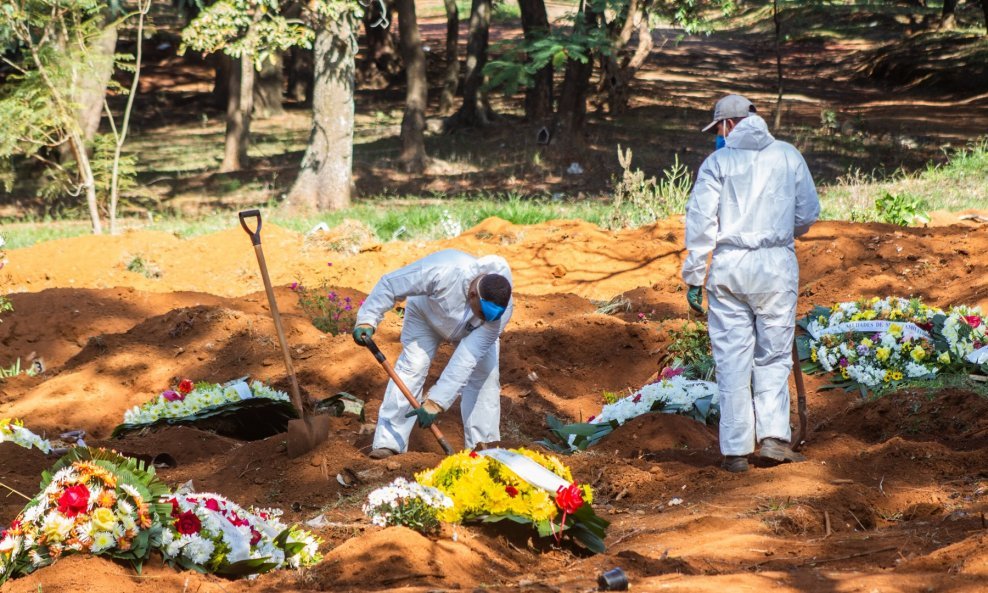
<point x="390" y="370"/>
<point x="797" y="372"/>
<point x="255" y="234"/>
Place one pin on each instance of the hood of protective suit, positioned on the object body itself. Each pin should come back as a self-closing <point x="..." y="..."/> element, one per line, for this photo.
<point x="751" y="133"/>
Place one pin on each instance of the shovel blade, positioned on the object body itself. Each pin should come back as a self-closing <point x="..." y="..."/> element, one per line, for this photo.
<point x="305" y="434"/>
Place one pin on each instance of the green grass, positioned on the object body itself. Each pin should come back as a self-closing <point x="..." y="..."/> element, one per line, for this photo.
<point x="957" y="184"/>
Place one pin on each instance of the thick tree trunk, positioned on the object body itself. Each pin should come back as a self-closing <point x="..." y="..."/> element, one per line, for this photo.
<point x="413" y="123"/>
<point x="269" y="88"/>
<point x="238" y="113"/>
<point x="300" y="78"/>
<point x="948" y="19"/>
<point x="620" y="67"/>
<point x="451" y="79"/>
<point x="538" y="97"/>
<point x="473" y="112"/>
<point x="381" y="63"/>
<point x="572" y="112"/>
<point x="324" y="180"/>
<point x="984" y="10"/>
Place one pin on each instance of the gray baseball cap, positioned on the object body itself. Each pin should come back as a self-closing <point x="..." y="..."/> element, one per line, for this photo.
<point x="730" y="107"/>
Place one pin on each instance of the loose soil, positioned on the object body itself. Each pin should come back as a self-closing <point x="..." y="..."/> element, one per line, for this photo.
<point x="892" y="497"/>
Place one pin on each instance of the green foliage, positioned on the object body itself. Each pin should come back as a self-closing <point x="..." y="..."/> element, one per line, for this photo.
<point x="522" y="59"/>
<point x="639" y="200"/>
<point x="901" y="209"/>
<point x="328" y="311"/>
<point x="145" y="267"/>
<point x="690" y="348"/>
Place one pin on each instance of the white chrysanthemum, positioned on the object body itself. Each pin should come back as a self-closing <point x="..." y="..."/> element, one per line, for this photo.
<point x="57" y="526"/>
<point x="198" y="550"/>
<point x="174" y="547"/>
<point x="124" y="507"/>
<point x="84" y="532"/>
<point x="127" y="522"/>
<point x="32" y="514"/>
<point x="131" y="491"/>
<point x="102" y="541"/>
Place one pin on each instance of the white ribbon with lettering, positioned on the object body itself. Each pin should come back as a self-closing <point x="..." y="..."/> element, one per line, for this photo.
<point x="527" y="470"/>
<point x="979" y="356"/>
<point x="909" y="330"/>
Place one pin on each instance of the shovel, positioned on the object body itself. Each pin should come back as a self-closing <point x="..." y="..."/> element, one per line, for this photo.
<point x="797" y="372"/>
<point x="306" y="432"/>
<point x="390" y="370"/>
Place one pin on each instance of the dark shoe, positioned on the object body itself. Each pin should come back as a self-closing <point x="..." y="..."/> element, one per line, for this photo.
<point x="778" y="450"/>
<point x="382" y="453"/>
<point x="735" y="464"/>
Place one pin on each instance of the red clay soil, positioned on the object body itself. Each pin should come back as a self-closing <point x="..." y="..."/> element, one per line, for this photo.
<point x="891" y="499"/>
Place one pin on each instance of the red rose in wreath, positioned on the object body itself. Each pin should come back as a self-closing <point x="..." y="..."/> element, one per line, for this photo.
<point x="74" y="500"/>
<point x="185" y="387"/>
<point x="188" y="523"/>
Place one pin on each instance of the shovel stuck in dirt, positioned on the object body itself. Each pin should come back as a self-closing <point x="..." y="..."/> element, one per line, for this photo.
<point x="306" y="432"/>
<point x="797" y="372"/>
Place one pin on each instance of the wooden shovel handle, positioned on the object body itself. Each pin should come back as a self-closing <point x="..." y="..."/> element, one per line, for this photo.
<point x="390" y="370"/>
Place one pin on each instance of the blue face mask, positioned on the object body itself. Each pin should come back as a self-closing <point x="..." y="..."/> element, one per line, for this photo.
<point x="491" y="311"/>
<point x="720" y="142"/>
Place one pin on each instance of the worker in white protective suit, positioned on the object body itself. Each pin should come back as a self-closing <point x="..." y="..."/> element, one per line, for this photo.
<point x="449" y="296"/>
<point x="752" y="197"/>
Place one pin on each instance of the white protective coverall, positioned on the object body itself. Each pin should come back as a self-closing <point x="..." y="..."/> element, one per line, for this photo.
<point x="750" y="199"/>
<point x="437" y="309"/>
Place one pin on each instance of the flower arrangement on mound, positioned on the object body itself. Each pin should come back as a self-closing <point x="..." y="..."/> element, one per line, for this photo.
<point x="879" y="343"/>
<point x="407" y="503"/>
<point x="209" y="533"/>
<point x="518" y="485"/>
<point x="91" y="501"/>
<point x="12" y="430"/>
<point x="192" y="402"/>
<point x="671" y="393"/>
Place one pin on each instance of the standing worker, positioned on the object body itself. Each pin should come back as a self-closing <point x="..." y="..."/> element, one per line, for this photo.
<point x="450" y="296"/>
<point x="751" y="198"/>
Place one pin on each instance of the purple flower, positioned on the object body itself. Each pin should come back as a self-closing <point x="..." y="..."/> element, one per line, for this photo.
<point x="348" y="307"/>
<point x="329" y="264"/>
<point x="862" y="350"/>
<point x="294" y="285"/>
<point x="172" y="396"/>
<point x="843" y="362"/>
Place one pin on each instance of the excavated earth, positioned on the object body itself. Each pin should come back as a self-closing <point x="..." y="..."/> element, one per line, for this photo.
<point x="892" y="497"/>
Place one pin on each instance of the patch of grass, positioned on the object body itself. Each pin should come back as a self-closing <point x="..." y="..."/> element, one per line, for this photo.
<point x="140" y="265"/>
<point x="956" y="184"/>
<point x="929" y="388"/>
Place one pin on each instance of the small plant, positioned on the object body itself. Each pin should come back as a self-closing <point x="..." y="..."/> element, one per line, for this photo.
<point x="639" y="200"/>
<point x="329" y="312"/>
<point x="407" y="503"/>
<point x="901" y="209"/>
<point x="144" y="267"/>
<point x="690" y="347"/>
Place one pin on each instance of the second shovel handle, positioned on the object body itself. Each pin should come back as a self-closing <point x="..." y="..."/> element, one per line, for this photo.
<point x="255" y="234"/>
<point x="390" y="370"/>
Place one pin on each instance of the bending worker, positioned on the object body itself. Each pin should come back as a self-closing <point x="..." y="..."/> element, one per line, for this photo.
<point x="751" y="198"/>
<point x="450" y="296"/>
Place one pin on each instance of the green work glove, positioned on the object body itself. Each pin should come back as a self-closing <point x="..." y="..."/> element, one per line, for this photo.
<point x="694" y="296"/>
<point x="425" y="417"/>
<point x="362" y="333"/>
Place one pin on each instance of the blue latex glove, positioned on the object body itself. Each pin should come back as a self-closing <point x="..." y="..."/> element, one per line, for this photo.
<point x="694" y="296"/>
<point x="425" y="418"/>
<point x="361" y="333"/>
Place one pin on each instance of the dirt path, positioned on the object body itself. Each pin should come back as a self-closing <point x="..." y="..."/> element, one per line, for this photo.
<point x="900" y="481"/>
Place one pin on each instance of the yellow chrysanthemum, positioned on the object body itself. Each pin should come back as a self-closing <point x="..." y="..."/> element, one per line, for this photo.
<point x="869" y="314"/>
<point x="867" y="343"/>
<point x="883" y="353"/>
<point x="944" y="358"/>
<point x="918" y="353"/>
<point x="895" y="329"/>
<point x="896" y="375"/>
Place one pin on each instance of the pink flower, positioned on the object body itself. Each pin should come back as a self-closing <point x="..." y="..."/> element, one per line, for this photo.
<point x="295" y="285"/>
<point x="172" y="396"/>
<point x="669" y="372"/>
<point x="212" y="504"/>
<point x="590" y="419"/>
<point x="637" y="398"/>
<point x="973" y="320"/>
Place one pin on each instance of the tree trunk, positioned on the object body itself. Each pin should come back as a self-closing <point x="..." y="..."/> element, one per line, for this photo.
<point x="984" y="10"/>
<point x="381" y="62"/>
<point x="413" y="123"/>
<point x="473" y="112"/>
<point x="238" y="112"/>
<point x="269" y="88"/>
<point x="89" y="87"/>
<point x="451" y="79"/>
<point x="572" y="112"/>
<point x="78" y="148"/>
<point x="538" y="97"/>
<point x="300" y="79"/>
<point x="948" y="19"/>
<point x="324" y="180"/>
<point x="619" y="68"/>
<point x="778" y="65"/>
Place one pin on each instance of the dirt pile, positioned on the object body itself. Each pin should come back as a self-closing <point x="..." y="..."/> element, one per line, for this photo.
<point x="899" y="478"/>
